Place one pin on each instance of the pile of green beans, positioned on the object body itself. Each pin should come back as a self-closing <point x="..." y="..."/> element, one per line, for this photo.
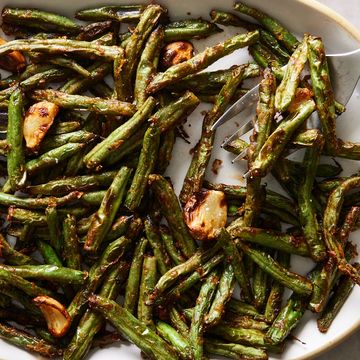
<point x="94" y="223"/>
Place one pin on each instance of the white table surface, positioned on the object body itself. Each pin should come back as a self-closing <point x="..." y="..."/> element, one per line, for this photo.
<point x="350" y="348"/>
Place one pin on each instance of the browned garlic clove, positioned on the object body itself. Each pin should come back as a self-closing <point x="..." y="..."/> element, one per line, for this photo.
<point x="37" y="122"/>
<point x="205" y="213"/>
<point x="175" y="53"/>
<point x="56" y="316"/>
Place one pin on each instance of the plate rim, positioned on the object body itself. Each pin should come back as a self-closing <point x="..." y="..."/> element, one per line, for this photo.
<point x="327" y="347"/>
<point x="355" y="33"/>
<point x="344" y="23"/>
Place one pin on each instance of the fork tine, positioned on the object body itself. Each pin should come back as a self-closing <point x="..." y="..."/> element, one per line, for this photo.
<point x="240" y="156"/>
<point x="244" y="104"/>
<point x="246" y="128"/>
<point x="241" y="131"/>
<point x="239" y="106"/>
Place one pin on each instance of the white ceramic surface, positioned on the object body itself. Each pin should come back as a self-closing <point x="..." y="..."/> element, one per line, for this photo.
<point x="300" y="16"/>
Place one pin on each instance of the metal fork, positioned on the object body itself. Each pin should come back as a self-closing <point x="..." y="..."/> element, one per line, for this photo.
<point x="345" y="70"/>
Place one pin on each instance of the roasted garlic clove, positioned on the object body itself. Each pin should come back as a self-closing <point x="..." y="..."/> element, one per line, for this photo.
<point x="56" y="316"/>
<point x="37" y="122"/>
<point x="175" y="53"/>
<point x="205" y="213"/>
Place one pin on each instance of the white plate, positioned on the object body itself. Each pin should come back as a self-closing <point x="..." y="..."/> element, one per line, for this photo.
<point x="299" y="16"/>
